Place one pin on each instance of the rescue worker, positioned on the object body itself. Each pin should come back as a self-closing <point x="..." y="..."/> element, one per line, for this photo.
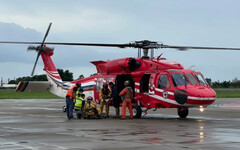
<point x="115" y="98"/>
<point x="78" y="96"/>
<point x="78" y="107"/>
<point x="81" y="91"/>
<point x="104" y="95"/>
<point x="90" y="108"/>
<point x="127" y="96"/>
<point x="71" y="94"/>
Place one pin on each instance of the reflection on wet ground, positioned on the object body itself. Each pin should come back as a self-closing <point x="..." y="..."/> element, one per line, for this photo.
<point x="46" y="127"/>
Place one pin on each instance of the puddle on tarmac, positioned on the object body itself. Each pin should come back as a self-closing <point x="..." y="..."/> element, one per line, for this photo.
<point x="22" y="142"/>
<point x="227" y="135"/>
<point x="153" y="140"/>
<point x="140" y="132"/>
<point x="36" y="108"/>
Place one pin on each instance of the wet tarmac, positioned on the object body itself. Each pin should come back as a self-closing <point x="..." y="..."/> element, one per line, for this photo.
<point x="40" y="124"/>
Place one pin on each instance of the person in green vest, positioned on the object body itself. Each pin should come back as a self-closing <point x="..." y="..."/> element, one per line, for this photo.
<point x="78" y="93"/>
<point x="79" y="104"/>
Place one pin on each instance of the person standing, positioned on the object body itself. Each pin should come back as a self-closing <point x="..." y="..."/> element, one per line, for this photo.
<point x="71" y="94"/>
<point x="115" y="98"/>
<point x="104" y="94"/>
<point x="127" y="96"/>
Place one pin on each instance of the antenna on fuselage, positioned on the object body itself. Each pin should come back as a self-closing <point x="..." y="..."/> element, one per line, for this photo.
<point x="191" y="67"/>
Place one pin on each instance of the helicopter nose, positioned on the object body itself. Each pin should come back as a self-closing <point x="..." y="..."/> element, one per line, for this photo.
<point x="201" y="96"/>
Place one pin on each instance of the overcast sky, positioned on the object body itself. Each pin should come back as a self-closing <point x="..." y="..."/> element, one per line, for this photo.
<point x="175" y="22"/>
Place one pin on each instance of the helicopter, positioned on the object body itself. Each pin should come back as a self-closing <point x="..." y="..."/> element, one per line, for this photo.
<point x="156" y="82"/>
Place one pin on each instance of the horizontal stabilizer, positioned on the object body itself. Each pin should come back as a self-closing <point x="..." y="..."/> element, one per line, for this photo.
<point x="100" y="65"/>
<point x="33" y="86"/>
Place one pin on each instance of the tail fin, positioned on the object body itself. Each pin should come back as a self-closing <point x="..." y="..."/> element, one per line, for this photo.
<point x="49" y="66"/>
<point x="57" y="86"/>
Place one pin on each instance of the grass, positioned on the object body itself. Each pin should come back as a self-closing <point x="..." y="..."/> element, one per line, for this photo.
<point x="9" y="94"/>
<point x="228" y="94"/>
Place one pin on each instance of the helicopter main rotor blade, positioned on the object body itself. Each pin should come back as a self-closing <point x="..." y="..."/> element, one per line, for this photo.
<point x="73" y="44"/>
<point x="13" y="42"/>
<point x="91" y="44"/>
<point x="182" y="48"/>
<point x="138" y="44"/>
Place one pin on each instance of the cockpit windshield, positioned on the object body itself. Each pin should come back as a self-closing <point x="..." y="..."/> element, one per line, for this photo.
<point x="192" y="79"/>
<point x="179" y="79"/>
<point x="200" y="79"/>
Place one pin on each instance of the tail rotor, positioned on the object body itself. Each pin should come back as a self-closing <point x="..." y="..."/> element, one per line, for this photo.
<point x="41" y="48"/>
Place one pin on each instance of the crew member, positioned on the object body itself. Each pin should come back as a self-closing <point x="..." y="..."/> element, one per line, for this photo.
<point x="78" y="96"/>
<point x="127" y="96"/>
<point x="115" y="98"/>
<point x="71" y="94"/>
<point x="104" y="95"/>
<point x="90" y="108"/>
<point x="78" y="107"/>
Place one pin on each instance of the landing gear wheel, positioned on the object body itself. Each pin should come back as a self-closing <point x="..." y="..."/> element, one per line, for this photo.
<point x="64" y="108"/>
<point x="137" y="111"/>
<point x="182" y="112"/>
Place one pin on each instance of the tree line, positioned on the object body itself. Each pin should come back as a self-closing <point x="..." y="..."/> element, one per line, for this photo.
<point x="66" y="75"/>
<point x="235" y="83"/>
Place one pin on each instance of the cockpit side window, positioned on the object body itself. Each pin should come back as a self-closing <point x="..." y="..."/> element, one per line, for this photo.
<point x="179" y="79"/>
<point x="163" y="82"/>
<point x="200" y="79"/>
<point x="191" y="78"/>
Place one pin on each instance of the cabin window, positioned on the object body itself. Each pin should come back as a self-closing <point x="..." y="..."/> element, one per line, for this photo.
<point x="163" y="82"/>
<point x="200" y="79"/>
<point x="191" y="78"/>
<point x="179" y="79"/>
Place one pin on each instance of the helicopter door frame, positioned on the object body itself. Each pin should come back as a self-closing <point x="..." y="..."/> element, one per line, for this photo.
<point x="144" y="83"/>
<point x="120" y="79"/>
<point x="152" y="82"/>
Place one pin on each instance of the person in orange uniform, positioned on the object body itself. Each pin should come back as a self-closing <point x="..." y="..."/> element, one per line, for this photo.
<point x="104" y="94"/>
<point x="71" y="94"/>
<point x="127" y="96"/>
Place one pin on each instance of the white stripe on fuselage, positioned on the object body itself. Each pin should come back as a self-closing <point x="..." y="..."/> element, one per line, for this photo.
<point x="171" y="101"/>
<point x="189" y="97"/>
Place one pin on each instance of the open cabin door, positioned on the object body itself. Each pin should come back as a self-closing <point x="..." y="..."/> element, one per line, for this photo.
<point x="120" y="79"/>
<point x="147" y="87"/>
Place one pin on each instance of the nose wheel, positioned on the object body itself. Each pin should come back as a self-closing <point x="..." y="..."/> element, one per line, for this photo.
<point x="182" y="112"/>
<point x="137" y="111"/>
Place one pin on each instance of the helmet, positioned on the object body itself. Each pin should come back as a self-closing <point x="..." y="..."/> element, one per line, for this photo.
<point x="78" y="84"/>
<point x="110" y="83"/>
<point x="126" y="83"/>
<point x="89" y="98"/>
<point x="105" y="85"/>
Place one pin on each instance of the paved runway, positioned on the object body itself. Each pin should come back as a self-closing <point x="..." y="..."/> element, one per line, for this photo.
<point x="40" y="124"/>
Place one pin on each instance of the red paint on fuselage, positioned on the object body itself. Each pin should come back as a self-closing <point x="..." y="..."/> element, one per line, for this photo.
<point x="152" y="96"/>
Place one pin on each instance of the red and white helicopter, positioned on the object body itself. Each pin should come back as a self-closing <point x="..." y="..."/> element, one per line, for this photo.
<point x="157" y="82"/>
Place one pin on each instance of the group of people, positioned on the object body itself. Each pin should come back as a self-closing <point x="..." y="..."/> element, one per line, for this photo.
<point x="75" y="100"/>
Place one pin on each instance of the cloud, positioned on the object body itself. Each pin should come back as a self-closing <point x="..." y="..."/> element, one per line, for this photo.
<point x="171" y="22"/>
<point x="66" y="18"/>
